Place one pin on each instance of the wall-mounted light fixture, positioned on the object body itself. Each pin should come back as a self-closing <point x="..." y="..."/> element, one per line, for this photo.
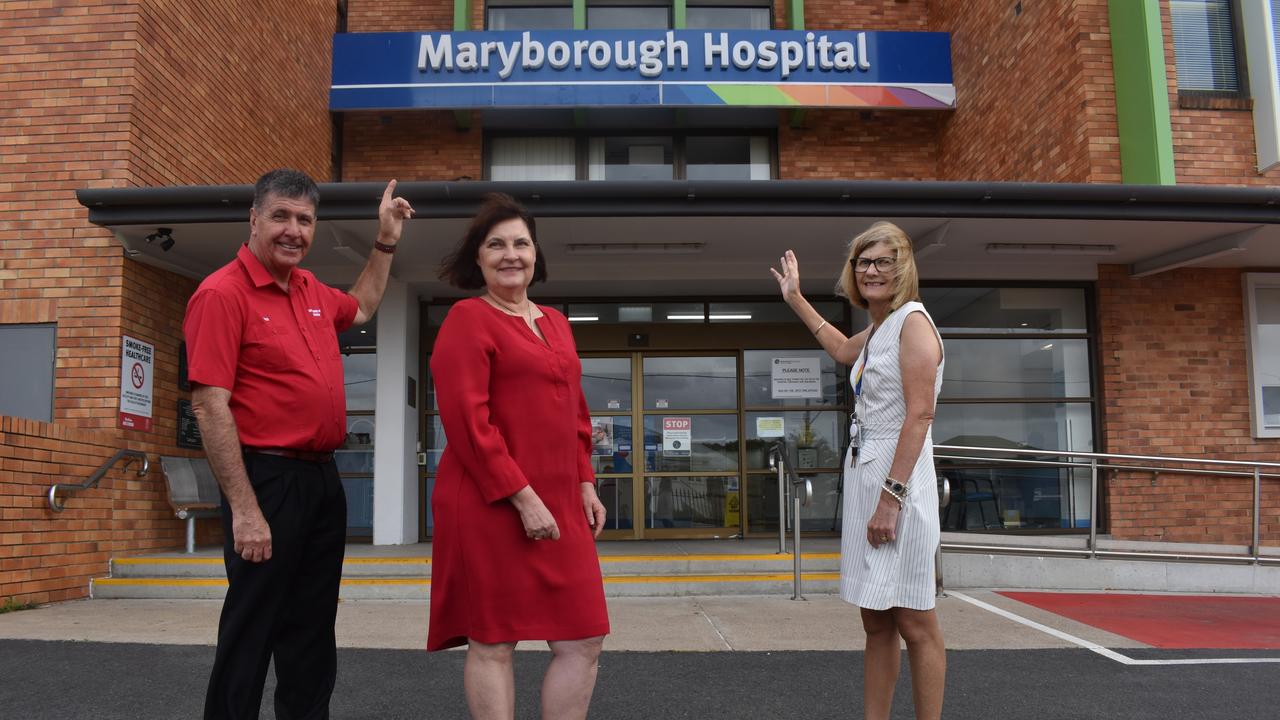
<point x="164" y="236"/>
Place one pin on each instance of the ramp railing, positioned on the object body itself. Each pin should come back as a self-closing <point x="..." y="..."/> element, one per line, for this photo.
<point x="801" y="492"/>
<point x="1253" y="472"/>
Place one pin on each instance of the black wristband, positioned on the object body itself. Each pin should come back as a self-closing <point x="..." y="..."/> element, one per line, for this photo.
<point x="379" y="245"/>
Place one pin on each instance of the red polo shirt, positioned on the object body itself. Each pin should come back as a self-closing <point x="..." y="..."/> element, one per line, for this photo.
<point x="276" y="352"/>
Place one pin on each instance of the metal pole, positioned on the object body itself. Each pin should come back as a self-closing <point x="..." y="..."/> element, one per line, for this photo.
<point x="938" y="589"/>
<point x="1093" y="508"/>
<point x="797" y="593"/>
<point x="1257" y="513"/>
<point x="191" y="534"/>
<point x="782" y="505"/>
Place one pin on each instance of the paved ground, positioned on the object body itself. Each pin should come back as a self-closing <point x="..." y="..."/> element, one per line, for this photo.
<point x="707" y="657"/>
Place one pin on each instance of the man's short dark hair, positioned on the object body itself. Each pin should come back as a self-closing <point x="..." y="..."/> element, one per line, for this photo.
<point x="460" y="268"/>
<point x="285" y="183"/>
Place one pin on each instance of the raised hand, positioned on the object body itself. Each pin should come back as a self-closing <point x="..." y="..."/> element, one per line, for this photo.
<point x="789" y="278"/>
<point x="392" y="213"/>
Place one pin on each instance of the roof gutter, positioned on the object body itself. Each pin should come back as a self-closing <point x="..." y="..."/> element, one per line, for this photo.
<point x="781" y="198"/>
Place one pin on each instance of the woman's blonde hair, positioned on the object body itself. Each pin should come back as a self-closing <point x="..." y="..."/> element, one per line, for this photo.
<point x="906" y="280"/>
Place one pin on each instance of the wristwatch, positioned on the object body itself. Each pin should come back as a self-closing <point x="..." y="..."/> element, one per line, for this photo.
<point x="895" y="488"/>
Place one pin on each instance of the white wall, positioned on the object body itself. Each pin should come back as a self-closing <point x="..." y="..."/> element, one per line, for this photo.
<point x="395" y="470"/>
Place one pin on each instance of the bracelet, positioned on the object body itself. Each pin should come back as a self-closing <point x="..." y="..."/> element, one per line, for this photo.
<point x="896" y="488"/>
<point x="388" y="249"/>
<point x="819" y="328"/>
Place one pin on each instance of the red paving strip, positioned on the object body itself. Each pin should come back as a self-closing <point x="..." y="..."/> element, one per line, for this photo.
<point x="1170" y="621"/>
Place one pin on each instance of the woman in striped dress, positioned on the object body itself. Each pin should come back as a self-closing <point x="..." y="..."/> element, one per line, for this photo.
<point x="890" y="500"/>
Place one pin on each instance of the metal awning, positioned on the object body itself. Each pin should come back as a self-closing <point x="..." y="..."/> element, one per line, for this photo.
<point x="694" y="238"/>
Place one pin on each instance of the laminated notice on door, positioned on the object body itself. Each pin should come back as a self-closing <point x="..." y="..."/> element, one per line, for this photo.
<point x="770" y="427"/>
<point x="796" y="378"/>
<point x="677" y="435"/>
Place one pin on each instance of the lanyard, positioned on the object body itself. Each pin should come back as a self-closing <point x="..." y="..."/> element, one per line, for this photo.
<point x="866" y="357"/>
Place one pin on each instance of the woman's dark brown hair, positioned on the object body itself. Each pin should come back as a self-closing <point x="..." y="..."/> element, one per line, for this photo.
<point x="460" y="269"/>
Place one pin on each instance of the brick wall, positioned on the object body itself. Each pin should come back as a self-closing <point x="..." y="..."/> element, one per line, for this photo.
<point x="47" y="556"/>
<point x="119" y="94"/>
<point x="420" y="145"/>
<point x="1035" y="99"/>
<point x="225" y="91"/>
<point x="881" y="15"/>
<point x="1210" y="146"/>
<point x="851" y="145"/>
<point x="1175" y="382"/>
<point x="404" y="15"/>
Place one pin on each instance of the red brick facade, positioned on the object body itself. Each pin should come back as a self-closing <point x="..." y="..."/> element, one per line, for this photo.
<point x="1210" y="146"/>
<point x="1175" y="380"/>
<point x="1035" y="101"/>
<point x="120" y="94"/>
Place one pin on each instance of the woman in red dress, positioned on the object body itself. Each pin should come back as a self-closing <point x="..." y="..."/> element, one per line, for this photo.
<point x="515" y="507"/>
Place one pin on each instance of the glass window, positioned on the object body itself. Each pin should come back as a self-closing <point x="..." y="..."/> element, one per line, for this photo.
<point x="631" y="158"/>
<point x="770" y="312"/>
<point x="529" y="18"/>
<point x="1204" y="45"/>
<point x="1048" y="426"/>
<point x="360" y="372"/>
<point x="615" y="494"/>
<point x="689" y="502"/>
<point x="436" y="442"/>
<point x="727" y="158"/>
<point x="356" y="454"/>
<point x="1016" y="368"/>
<point x="619" y="17"/>
<point x="708" y="443"/>
<point x="611" y="444"/>
<point x="711" y="17"/>
<point x="1007" y="310"/>
<point x="758" y="382"/>
<point x="1262" y="309"/>
<point x="355" y="464"/>
<point x="691" y="383"/>
<point x="1008" y="498"/>
<point x="822" y="514"/>
<point x="27" y="354"/>
<point x="814" y="438"/>
<point x="532" y="158"/>
<point x="606" y="382"/>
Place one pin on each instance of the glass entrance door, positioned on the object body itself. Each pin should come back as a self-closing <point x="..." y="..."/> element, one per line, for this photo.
<point x="667" y="450"/>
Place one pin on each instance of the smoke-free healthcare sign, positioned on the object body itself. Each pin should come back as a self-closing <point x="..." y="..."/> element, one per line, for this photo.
<point x="137" y="365"/>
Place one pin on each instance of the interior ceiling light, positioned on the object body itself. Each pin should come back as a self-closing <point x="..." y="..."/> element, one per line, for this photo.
<point x="1049" y="249"/>
<point x="730" y="316"/>
<point x="686" y="316"/>
<point x="584" y="318"/>
<point x="655" y="248"/>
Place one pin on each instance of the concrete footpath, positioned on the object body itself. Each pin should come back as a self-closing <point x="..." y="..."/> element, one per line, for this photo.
<point x="685" y="657"/>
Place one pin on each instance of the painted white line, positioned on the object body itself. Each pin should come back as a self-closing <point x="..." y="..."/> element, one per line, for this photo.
<point x="1105" y="652"/>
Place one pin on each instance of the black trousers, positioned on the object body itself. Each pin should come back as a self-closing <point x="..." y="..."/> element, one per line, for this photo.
<point x="284" y="607"/>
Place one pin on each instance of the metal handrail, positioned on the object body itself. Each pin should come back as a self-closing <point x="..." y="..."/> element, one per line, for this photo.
<point x="131" y="455"/>
<point x="1127" y="463"/>
<point x="787" y="477"/>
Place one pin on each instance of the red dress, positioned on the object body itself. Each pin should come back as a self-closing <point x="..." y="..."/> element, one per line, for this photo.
<point x="514" y="415"/>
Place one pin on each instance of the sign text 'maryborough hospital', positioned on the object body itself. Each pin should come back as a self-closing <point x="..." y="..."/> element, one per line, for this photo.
<point x="437" y="53"/>
<point x="637" y="68"/>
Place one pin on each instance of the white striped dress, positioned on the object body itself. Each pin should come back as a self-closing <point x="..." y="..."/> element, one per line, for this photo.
<point x="899" y="573"/>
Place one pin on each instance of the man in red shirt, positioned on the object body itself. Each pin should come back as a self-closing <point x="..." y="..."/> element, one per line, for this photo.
<point x="262" y="343"/>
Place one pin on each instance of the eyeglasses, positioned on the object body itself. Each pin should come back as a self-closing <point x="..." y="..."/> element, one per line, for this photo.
<point x="883" y="264"/>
